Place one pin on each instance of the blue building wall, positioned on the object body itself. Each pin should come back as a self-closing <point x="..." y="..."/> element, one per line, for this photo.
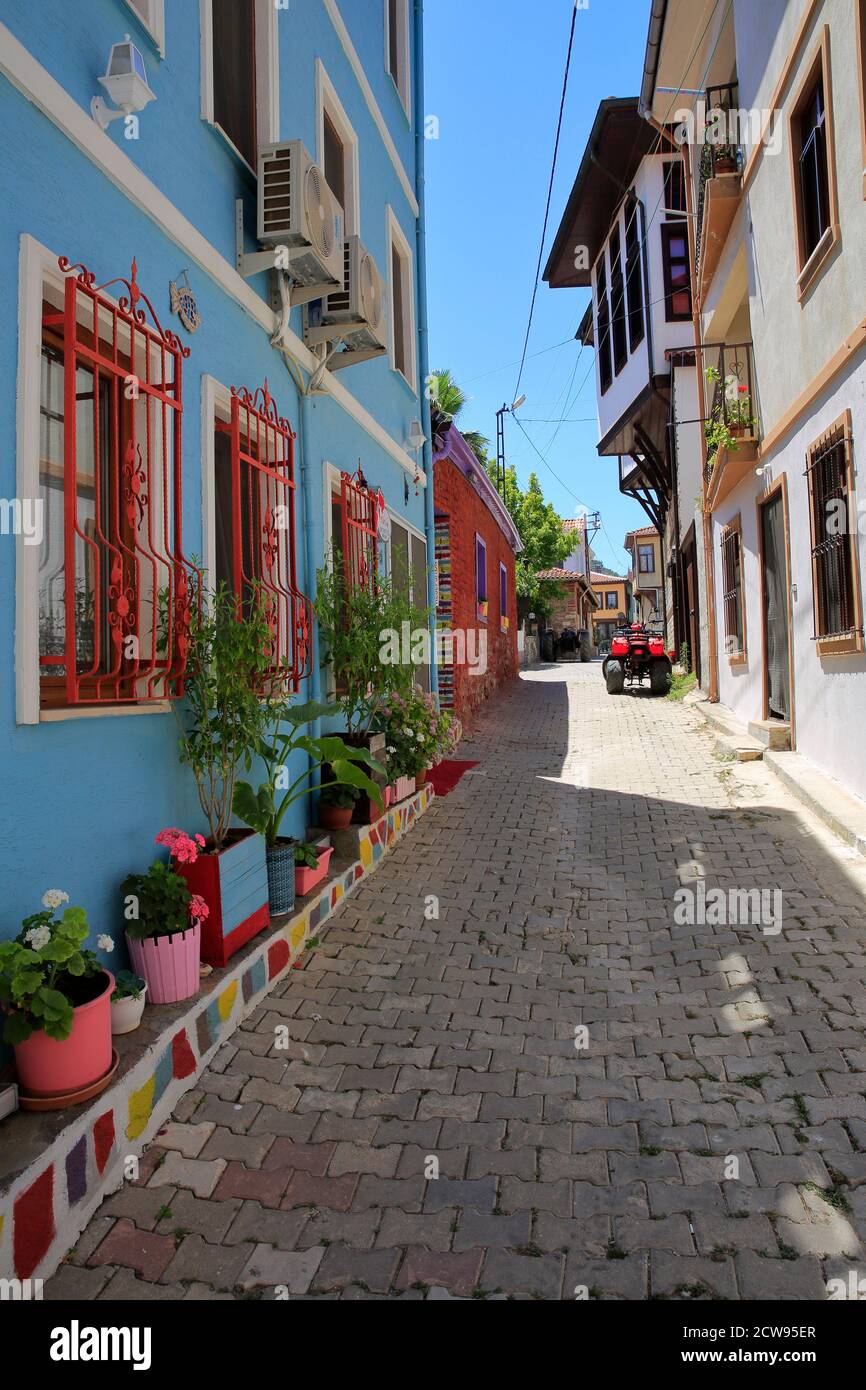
<point x="82" y="799"/>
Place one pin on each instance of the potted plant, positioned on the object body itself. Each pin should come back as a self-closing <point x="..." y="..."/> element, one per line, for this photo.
<point x="336" y="804"/>
<point x="56" y="999"/>
<point x="224" y="719"/>
<point x="418" y="736"/>
<point x="311" y="866"/>
<point x="164" y="921"/>
<point x="127" y="1002"/>
<point x="265" y="808"/>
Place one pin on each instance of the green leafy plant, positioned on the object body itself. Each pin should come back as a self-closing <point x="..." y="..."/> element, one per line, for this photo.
<point x="306" y="855"/>
<point x="127" y="985"/>
<point x="334" y="794"/>
<point x="418" y="733"/>
<point x="225" y="716"/>
<point x="265" y="808"/>
<point x="353" y="622"/>
<point x="159" y="903"/>
<point x="40" y="968"/>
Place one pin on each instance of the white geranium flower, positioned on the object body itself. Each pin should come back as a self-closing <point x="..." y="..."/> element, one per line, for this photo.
<point x="105" y="943"/>
<point x="54" y="897"/>
<point x="37" y="937"/>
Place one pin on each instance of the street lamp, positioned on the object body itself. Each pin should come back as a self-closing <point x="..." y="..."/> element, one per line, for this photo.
<point x="500" y="441"/>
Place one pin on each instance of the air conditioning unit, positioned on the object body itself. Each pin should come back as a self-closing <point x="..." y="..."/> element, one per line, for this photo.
<point x="359" y="310"/>
<point x="298" y="211"/>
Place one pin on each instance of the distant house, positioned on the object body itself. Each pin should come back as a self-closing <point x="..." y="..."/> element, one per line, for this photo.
<point x="614" y="593"/>
<point x="477" y="545"/>
<point x="647" y="577"/>
<point x="577" y="605"/>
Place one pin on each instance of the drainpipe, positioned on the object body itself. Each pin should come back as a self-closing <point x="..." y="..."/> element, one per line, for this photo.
<point x="309" y="543"/>
<point x="423" y="333"/>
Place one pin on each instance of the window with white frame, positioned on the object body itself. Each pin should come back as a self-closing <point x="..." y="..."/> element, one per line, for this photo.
<point x="402" y="285"/>
<point x="151" y="13"/>
<point x="338" y="152"/>
<point x="240" y="73"/>
<point x="397" y="46"/>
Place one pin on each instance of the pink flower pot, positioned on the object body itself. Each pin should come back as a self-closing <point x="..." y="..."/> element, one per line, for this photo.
<point x="169" y="964"/>
<point x="307" y="879"/>
<point x="46" y="1067"/>
<point x="403" y="787"/>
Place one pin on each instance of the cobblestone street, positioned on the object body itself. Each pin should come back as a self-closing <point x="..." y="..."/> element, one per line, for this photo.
<point x="705" y="1138"/>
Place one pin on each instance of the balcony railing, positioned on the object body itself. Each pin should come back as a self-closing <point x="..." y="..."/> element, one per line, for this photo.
<point x="721" y="151"/>
<point x="729" y="409"/>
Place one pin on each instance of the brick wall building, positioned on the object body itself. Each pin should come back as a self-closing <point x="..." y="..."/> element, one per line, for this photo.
<point x="476" y="548"/>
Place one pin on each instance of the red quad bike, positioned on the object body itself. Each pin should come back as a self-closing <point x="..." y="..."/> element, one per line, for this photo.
<point x="637" y="653"/>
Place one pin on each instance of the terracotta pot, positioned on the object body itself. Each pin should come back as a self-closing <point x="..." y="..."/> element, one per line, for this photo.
<point x="169" y="964"/>
<point x="335" y="817"/>
<point x="46" y="1067"/>
<point x="422" y="777"/>
<point x="306" y="879"/>
<point x="126" y="1013"/>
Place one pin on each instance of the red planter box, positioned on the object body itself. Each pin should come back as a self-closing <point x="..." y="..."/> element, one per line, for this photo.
<point x="234" y="884"/>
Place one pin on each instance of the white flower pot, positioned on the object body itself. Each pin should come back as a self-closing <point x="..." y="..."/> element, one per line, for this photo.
<point x="126" y="1013"/>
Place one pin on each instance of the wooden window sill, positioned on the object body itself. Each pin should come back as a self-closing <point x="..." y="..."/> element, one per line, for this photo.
<point x="741" y="660"/>
<point x="54" y="716"/>
<point x="840" y="646"/>
<point x="810" y="270"/>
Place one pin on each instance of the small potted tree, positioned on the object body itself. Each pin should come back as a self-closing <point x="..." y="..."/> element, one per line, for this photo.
<point x="265" y="808"/>
<point x="127" y="1002"/>
<point x="56" y="1001"/>
<point x="164" y="921"/>
<point x="336" y="804"/>
<point x="224" y="719"/>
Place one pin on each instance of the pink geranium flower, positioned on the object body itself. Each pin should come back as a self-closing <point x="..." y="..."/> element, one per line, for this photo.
<point x="198" y="909"/>
<point x="182" y="847"/>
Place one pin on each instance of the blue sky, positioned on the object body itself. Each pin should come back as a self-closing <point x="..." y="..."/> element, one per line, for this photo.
<point x="494" y="80"/>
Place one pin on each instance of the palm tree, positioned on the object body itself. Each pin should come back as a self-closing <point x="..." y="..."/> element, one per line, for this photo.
<point x="446" y="402"/>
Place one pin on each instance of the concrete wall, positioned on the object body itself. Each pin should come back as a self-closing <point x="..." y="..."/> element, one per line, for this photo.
<point x="89" y="795"/>
<point x="457" y="499"/>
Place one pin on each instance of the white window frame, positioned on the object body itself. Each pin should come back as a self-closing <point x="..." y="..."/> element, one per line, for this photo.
<point x="267" y="75"/>
<point x="397" y="519"/>
<point x="153" y="21"/>
<point x="395" y="236"/>
<point x="38" y="268"/>
<point x="403" y="87"/>
<point x="216" y="404"/>
<point x="328" y="102"/>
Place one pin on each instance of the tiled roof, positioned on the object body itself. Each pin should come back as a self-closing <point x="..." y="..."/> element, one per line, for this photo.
<point x="573" y="523"/>
<point x="559" y="574"/>
<point x="598" y="578"/>
<point x="643" y="531"/>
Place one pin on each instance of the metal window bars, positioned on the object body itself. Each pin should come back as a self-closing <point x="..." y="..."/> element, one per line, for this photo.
<point x="833" y="530"/>
<point x="263" y="534"/>
<point x="120" y="631"/>
<point x="359" y="510"/>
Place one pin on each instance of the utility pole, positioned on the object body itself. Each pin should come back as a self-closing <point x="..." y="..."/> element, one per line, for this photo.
<point x="500" y="442"/>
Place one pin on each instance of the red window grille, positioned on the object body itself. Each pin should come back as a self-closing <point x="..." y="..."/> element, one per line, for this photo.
<point x="360" y="531"/>
<point x="263" y="555"/>
<point x="114" y="585"/>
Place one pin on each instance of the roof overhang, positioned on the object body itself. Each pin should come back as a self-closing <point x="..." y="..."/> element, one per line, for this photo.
<point x="619" y="140"/>
<point x="689" y="42"/>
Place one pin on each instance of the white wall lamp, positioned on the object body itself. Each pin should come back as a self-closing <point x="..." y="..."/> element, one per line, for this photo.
<point x="125" y="82"/>
<point x="416" y="439"/>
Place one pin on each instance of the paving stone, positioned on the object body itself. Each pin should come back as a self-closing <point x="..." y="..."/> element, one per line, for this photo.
<point x="540" y="1275"/>
<point x="126" y="1245"/>
<point x="270" y="1093"/>
<point x="235" y="1115"/>
<point x="606" y="1279"/>
<point x="188" y="1139"/>
<point x="253" y="1222"/>
<point x="309" y="1190"/>
<point x="75" y="1284"/>
<point x="476" y="1230"/>
<point x="196" y="1215"/>
<point x="431" y="1230"/>
<point x="372" y="1269"/>
<point x="778" y="1279"/>
<point x="199" y="1175"/>
<point x="269" y="1268"/>
<point x="457" y="1272"/>
<point x="356" y="1158"/>
<point x="252" y="1183"/>
<point x="691" y="1280"/>
<point x="245" y="1148"/>
<point x="286" y="1155"/>
<point x="217" y="1265"/>
<point x="714" y="1232"/>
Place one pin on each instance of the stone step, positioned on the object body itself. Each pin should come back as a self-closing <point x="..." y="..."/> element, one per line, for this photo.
<point x="772" y="733"/>
<point x="732" y="740"/>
